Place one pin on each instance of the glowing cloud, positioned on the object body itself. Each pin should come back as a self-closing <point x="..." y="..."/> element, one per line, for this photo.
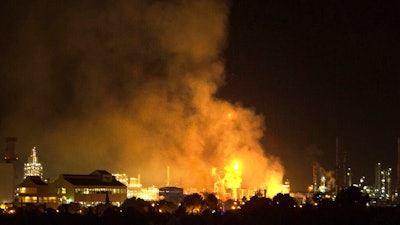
<point x="129" y="86"/>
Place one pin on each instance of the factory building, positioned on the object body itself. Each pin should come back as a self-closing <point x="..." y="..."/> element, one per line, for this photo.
<point x="171" y="194"/>
<point x="89" y="190"/>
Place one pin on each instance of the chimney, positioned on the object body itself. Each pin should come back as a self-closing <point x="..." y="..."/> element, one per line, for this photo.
<point x="9" y="155"/>
<point x="337" y="171"/>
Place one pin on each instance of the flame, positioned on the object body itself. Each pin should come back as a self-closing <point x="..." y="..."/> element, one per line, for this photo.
<point x="233" y="176"/>
<point x="231" y="180"/>
<point x="228" y="183"/>
<point x="236" y="166"/>
<point x="230" y="116"/>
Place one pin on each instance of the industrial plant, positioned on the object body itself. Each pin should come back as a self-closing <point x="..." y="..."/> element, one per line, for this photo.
<point x="101" y="186"/>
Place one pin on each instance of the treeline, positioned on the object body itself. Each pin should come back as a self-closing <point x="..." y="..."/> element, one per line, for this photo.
<point x="349" y="208"/>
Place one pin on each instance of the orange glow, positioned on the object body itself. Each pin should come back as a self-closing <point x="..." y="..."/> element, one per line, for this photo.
<point x="274" y="185"/>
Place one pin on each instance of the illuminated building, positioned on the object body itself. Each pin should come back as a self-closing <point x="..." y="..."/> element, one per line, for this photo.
<point x="33" y="190"/>
<point x="322" y="187"/>
<point x="147" y="194"/>
<point x="33" y="167"/>
<point x="383" y="183"/>
<point x="89" y="190"/>
<point x="134" y="187"/>
<point x="378" y="169"/>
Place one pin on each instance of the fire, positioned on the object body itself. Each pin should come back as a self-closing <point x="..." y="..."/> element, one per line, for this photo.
<point x="230" y="116"/>
<point x="233" y="176"/>
<point x="228" y="183"/>
<point x="231" y="181"/>
<point x="236" y="166"/>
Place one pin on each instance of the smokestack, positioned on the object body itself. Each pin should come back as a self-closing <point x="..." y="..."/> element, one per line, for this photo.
<point x="343" y="170"/>
<point x="9" y="155"/>
<point x="167" y="176"/>
<point x="337" y="172"/>
<point x="314" y="177"/>
<point x="398" y="165"/>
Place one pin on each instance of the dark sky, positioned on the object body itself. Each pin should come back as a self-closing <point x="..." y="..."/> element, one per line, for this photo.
<point x="317" y="70"/>
<point x="129" y="81"/>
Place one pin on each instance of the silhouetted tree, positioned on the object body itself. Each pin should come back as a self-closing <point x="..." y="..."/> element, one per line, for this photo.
<point x="256" y="204"/>
<point x="137" y="203"/>
<point x="322" y="199"/>
<point x="211" y="202"/>
<point x="229" y="204"/>
<point x="352" y="196"/>
<point x="167" y="207"/>
<point x="284" y="201"/>
<point x="192" y="203"/>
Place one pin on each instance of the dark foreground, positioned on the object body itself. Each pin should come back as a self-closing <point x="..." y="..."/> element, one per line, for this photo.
<point x="269" y="215"/>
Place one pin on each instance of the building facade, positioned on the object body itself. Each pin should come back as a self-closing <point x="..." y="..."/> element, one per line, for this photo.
<point x="33" y="190"/>
<point x="89" y="190"/>
<point x="171" y="194"/>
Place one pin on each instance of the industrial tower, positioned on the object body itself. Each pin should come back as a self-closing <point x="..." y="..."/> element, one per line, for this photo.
<point x="7" y="172"/>
<point x="9" y="155"/>
<point x="33" y="167"/>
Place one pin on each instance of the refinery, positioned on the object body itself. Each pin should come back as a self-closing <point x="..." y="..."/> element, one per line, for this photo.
<point x="90" y="189"/>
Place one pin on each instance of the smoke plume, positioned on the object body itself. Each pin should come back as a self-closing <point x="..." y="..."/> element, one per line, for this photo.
<point x="127" y="86"/>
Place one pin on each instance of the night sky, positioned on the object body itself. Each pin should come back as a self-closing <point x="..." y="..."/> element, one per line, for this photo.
<point x="93" y="79"/>
<point x="317" y="70"/>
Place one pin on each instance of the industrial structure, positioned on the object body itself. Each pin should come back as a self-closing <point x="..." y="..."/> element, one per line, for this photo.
<point x="382" y="190"/>
<point x="89" y="190"/>
<point x="171" y="194"/>
<point x="95" y="188"/>
<point x="10" y="156"/>
<point x="7" y="172"/>
<point x="33" y="167"/>
<point x="135" y="188"/>
<point x="33" y="190"/>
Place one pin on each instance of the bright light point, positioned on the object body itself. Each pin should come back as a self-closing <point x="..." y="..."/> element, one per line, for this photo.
<point x="236" y="166"/>
<point x="230" y="116"/>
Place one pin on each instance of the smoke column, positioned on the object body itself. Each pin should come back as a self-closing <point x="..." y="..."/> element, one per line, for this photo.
<point x="127" y="86"/>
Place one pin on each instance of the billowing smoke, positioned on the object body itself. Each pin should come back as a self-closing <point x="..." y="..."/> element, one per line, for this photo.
<point x="127" y="86"/>
<point x="328" y="177"/>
